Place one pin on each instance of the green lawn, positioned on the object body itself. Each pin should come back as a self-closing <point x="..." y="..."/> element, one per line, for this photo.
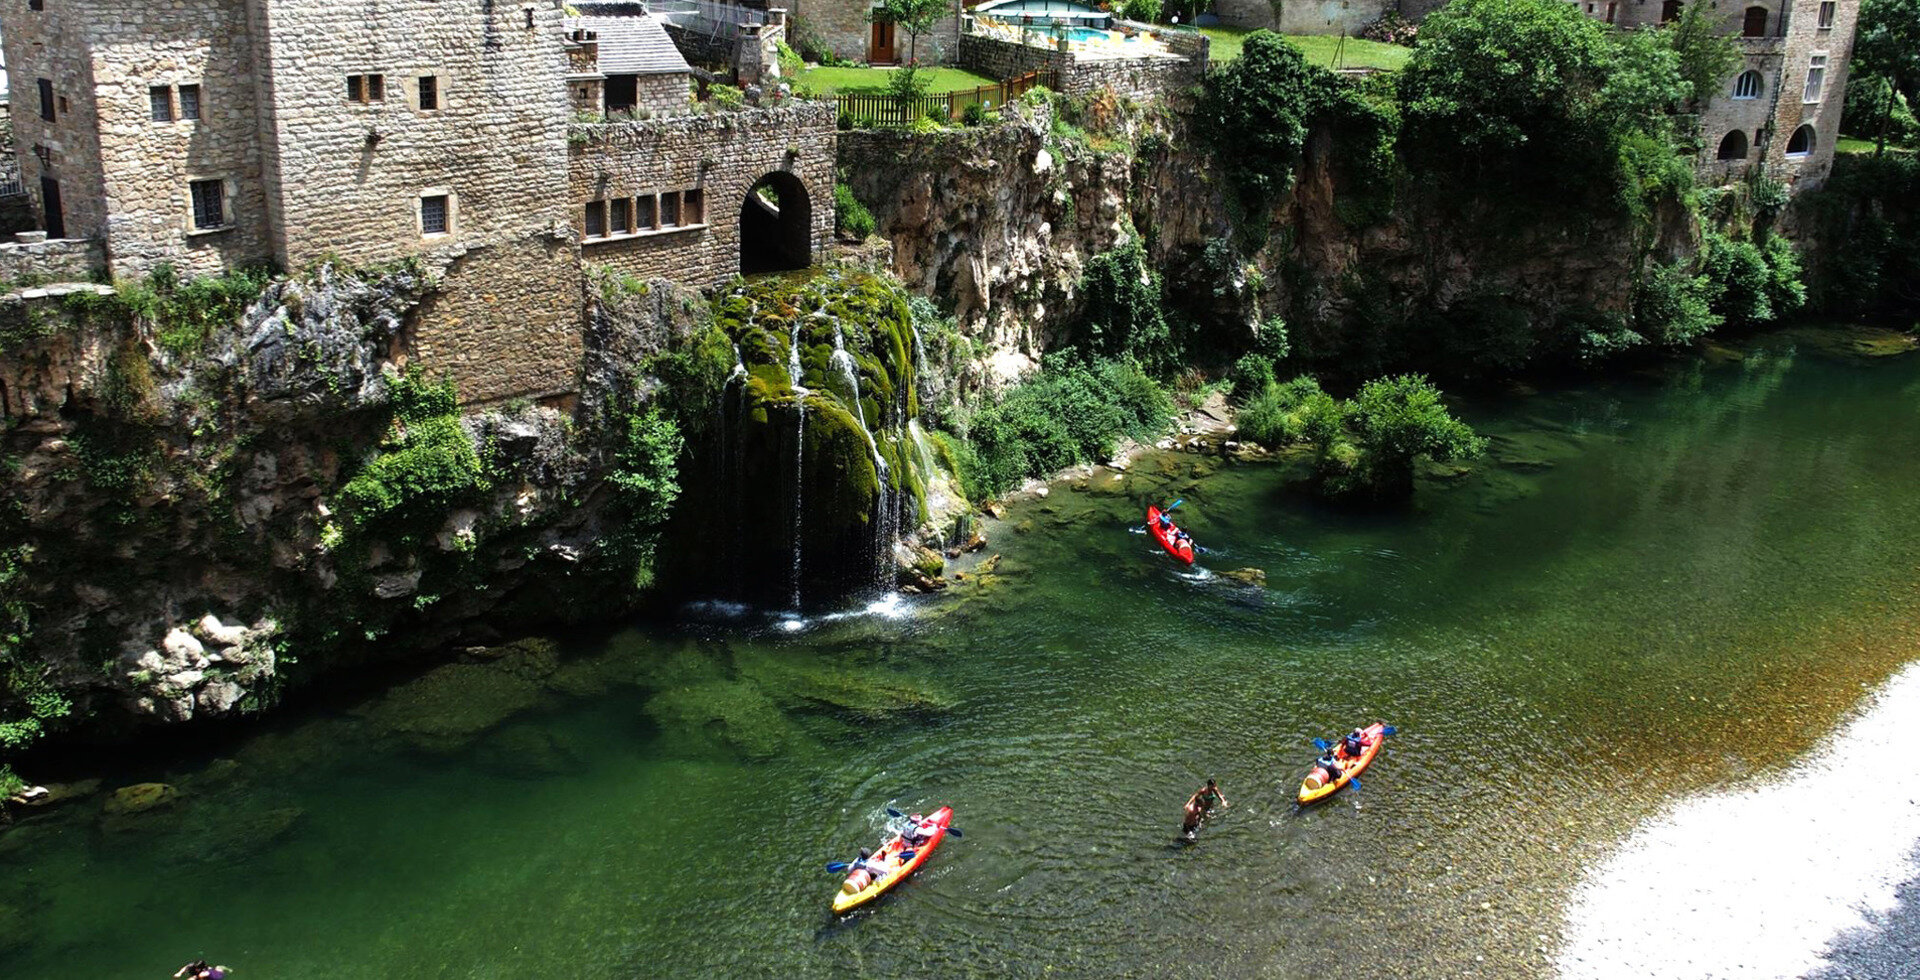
<point x="1852" y="144"/>
<point x="830" y="81"/>
<point x="1319" y="49"/>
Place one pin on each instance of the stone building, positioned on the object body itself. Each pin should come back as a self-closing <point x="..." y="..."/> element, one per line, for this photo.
<point x="851" y="30"/>
<point x="207" y="135"/>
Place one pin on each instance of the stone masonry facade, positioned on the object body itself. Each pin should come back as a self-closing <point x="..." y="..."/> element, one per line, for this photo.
<point x="1142" y="79"/>
<point x="685" y="182"/>
<point x="208" y="135"/>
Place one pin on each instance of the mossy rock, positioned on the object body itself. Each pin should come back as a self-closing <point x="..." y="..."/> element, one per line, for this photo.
<point x="447" y="708"/>
<point x="863" y="691"/>
<point x="139" y="798"/>
<point x="527" y="752"/>
<point x="735" y="716"/>
<point x="531" y="658"/>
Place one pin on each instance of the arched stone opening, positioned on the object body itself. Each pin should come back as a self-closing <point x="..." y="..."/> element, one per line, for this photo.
<point x="1748" y="85"/>
<point x="776" y="222"/>
<point x="1734" y="146"/>
<point x="1800" y="144"/>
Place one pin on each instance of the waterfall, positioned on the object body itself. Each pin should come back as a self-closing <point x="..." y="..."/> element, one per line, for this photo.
<point x="799" y="451"/>
<point x="732" y="466"/>
<point x="886" y="524"/>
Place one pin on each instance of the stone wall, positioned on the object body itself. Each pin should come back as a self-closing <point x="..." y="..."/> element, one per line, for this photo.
<point x="1804" y="40"/>
<point x="60" y="260"/>
<point x="1136" y="78"/>
<point x="665" y="92"/>
<point x="1306" y="16"/>
<point x="843" y="25"/>
<point x="504" y="319"/>
<point x="137" y="46"/>
<point x="16" y="214"/>
<point x="52" y="44"/>
<point x="722" y="156"/>
<point x="350" y="177"/>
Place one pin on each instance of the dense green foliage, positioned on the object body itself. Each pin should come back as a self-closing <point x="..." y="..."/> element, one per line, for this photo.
<point x="851" y="219"/>
<point x="1258" y="109"/>
<point x="1868" y="213"/>
<point x="182" y="315"/>
<point x="1537" y="98"/>
<point x="426" y="465"/>
<point x="1073" y="411"/>
<point x="1145" y="11"/>
<point x="28" y="704"/>
<point x="1257" y="368"/>
<point x="1673" y="306"/>
<point x="1751" y="283"/>
<point x="644" y="479"/>
<point x="1885" y="67"/>
<point x="1364" y="448"/>
<point x="1125" y="309"/>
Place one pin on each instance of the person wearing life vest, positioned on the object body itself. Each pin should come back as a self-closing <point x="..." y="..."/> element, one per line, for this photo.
<point x="919" y="831"/>
<point x="1331" y="765"/>
<point x="1354" y="744"/>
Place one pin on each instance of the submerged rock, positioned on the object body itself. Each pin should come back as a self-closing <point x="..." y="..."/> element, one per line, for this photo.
<point x="140" y="798"/>
<point x="1247" y="576"/>
<point x="527" y="752"/>
<point x="447" y="708"/>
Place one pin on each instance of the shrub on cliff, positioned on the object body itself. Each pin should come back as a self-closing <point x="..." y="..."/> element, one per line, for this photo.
<point x="1672" y="306"/>
<point x="1125" y="314"/>
<point x="1072" y="412"/>
<point x="1256" y="113"/>
<point x="426" y="464"/>
<point x="851" y="219"/>
<point x="1751" y="284"/>
<point x="645" y="479"/>
<point x="1284" y="414"/>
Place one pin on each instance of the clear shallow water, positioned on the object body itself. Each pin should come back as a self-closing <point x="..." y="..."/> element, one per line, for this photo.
<point x="1722" y="553"/>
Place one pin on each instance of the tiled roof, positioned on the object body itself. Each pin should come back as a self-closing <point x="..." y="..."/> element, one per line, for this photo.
<point x="632" y="45"/>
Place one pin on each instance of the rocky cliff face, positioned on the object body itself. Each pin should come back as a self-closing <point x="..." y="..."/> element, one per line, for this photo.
<point x="180" y="520"/>
<point x="1001" y="220"/>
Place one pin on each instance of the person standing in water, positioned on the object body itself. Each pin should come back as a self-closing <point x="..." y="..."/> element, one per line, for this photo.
<point x="1200" y="804"/>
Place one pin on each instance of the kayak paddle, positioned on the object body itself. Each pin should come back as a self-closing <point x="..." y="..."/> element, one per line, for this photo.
<point x="891" y="812"/>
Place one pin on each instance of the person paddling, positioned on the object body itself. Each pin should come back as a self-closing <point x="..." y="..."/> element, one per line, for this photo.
<point x="1354" y="744"/>
<point x="1330" y="764"/>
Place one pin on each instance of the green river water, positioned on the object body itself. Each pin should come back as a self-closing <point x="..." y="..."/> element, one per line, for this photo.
<point x="1725" y="552"/>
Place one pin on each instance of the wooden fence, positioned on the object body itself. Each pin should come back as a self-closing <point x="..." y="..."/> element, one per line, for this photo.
<point x="881" y="109"/>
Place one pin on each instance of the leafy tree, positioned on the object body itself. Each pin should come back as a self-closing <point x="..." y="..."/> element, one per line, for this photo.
<point x="1396" y="421"/>
<point x="1531" y="92"/>
<point x="1672" y="306"/>
<point x="1707" y="54"/>
<point x="916" y="17"/>
<point x="1886" y="47"/>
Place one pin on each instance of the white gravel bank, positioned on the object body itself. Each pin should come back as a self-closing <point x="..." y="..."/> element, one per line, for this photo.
<point x="1756" y="883"/>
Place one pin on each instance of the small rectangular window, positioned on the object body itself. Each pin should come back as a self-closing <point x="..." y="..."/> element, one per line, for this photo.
<point x="429" y="93"/>
<point x="693" y="206"/>
<point x="618" y="218"/>
<point x="46" y="99"/>
<point x="366" y="88"/>
<point x="1816" y="76"/>
<point x="669" y="209"/>
<point x="190" y="102"/>
<point x="209" y="204"/>
<point x="36" y="4"/>
<point x="596" y="219"/>
<point x="433" y="214"/>
<point x="161" y="99"/>
<point x="1826" y="14"/>
<point x="643" y="213"/>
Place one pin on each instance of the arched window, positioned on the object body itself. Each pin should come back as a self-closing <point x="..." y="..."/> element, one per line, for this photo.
<point x="1800" y="144"/>
<point x="1755" y="24"/>
<point x="1748" y="85"/>
<point x="1670" y="11"/>
<point x="1734" y="146"/>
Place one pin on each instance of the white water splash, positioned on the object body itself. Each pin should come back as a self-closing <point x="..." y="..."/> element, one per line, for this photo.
<point x="1755" y="883"/>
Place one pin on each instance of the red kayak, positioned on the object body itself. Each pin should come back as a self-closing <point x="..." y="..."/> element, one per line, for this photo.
<point x="1166" y="535"/>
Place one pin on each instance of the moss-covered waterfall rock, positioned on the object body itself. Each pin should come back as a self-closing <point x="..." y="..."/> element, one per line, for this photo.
<point x="814" y="472"/>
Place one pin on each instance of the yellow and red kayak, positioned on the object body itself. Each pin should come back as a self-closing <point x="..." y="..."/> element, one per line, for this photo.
<point x="862" y="887"/>
<point x="1317" y="787"/>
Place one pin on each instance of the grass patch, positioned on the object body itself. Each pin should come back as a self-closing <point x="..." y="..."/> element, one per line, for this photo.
<point x="1319" y="49"/>
<point x="1854" y="144"/>
<point x="873" y="81"/>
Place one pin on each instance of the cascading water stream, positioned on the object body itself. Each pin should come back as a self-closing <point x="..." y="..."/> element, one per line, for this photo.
<point x="800" y="393"/>
<point x="886" y="520"/>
